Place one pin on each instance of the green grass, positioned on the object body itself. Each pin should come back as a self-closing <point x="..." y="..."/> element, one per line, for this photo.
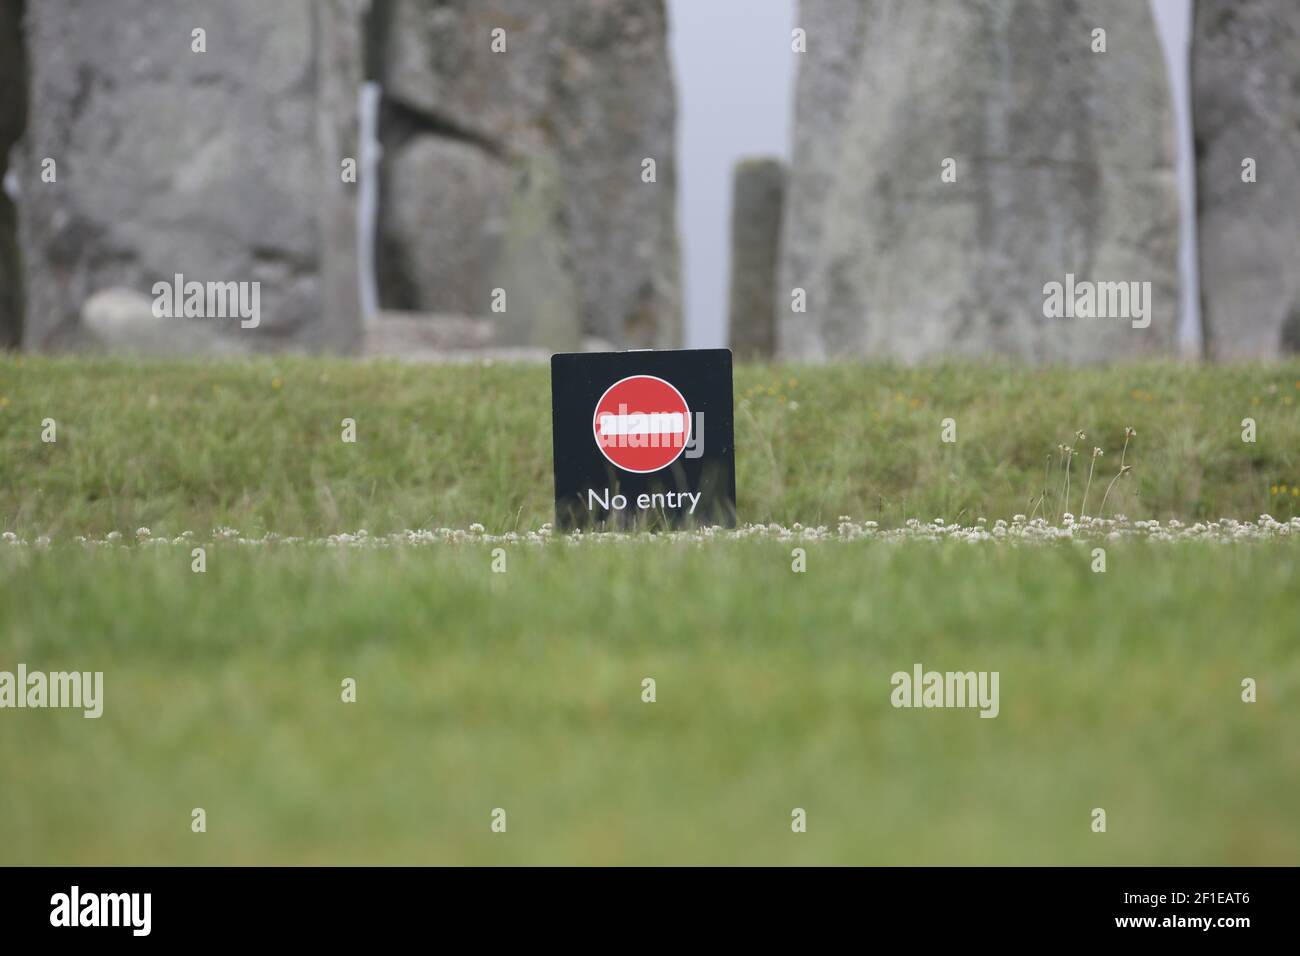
<point x="176" y="447"/>
<point x="522" y="690"/>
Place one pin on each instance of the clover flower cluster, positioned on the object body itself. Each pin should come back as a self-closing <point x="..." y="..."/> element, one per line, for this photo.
<point x="1018" y="531"/>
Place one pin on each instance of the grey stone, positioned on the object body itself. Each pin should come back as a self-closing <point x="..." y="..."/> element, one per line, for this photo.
<point x="13" y="113"/>
<point x="521" y="355"/>
<point x="339" y="60"/>
<point x="1246" y="104"/>
<point x="444" y="204"/>
<point x="11" y="292"/>
<point x="536" y="265"/>
<point x="403" y="334"/>
<point x="759" y="187"/>
<point x="585" y="87"/>
<point x="221" y="166"/>
<point x="449" y="339"/>
<point x="1064" y="161"/>
<point x="122" y="321"/>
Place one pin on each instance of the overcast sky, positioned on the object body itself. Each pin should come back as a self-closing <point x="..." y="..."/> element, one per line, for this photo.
<point x="735" y="84"/>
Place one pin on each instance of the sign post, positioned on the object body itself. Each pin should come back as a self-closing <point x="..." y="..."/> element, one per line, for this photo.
<point x="643" y="439"/>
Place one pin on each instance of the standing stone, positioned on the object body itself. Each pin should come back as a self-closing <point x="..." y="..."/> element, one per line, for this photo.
<point x="584" y="89"/>
<point x="340" y="59"/>
<point x="443" y="208"/>
<point x="755" y="241"/>
<point x="13" y="113"/>
<point x="1064" y="162"/>
<point x="536" y="268"/>
<point x="1246" y="104"/>
<point x="122" y="321"/>
<point x="222" y="166"/>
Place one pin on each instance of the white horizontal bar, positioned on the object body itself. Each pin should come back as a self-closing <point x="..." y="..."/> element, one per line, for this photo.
<point x="643" y="423"/>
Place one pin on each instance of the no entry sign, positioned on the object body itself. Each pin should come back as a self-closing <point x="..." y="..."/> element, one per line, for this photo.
<point x="643" y="438"/>
<point x="642" y="424"/>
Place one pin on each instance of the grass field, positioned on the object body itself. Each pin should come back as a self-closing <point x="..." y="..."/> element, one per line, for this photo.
<point x="257" y="447"/>
<point x="523" y="690"/>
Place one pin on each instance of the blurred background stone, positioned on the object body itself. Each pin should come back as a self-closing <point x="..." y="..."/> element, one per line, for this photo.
<point x="513" y="138"/>
<point x="13" y="116"/>
<point x="1246" y="104"/>
<point x="122" y="322"/>
<point x="444" y="215"/>
<point x="1064" y="162"/>
<point x="441" y="339"/>
<point x="222" y="165"/>
<point x="582" y="91"/>
<point x="759" y="189"/>
<point x="398" y="334"/>
<point x="536" y="268"/>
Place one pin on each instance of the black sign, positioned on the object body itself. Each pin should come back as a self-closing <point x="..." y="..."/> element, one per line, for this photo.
<point x="643" y="439"/>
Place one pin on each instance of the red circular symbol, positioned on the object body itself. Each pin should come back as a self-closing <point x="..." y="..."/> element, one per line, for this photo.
<point x="642" y="424"/>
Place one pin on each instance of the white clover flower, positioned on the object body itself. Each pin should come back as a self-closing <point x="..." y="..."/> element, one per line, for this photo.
<point x="1021" y="531"/>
